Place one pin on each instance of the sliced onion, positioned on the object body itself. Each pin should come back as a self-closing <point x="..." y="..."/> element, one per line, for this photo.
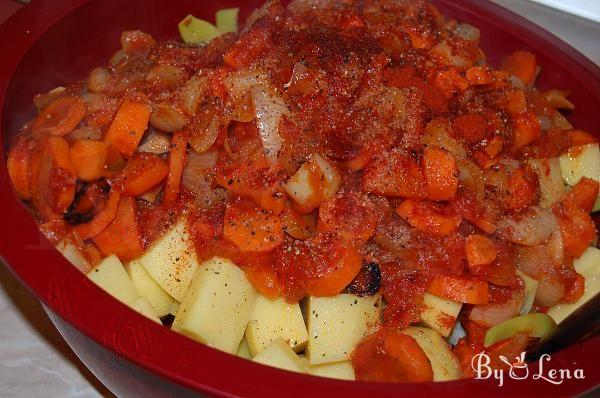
<point x="198" y="176"/>
<point x="204" y="133"/>
<point x="100" y="80"/>
<point x="165" y="76"/>
<point x="437" y="135"/>
<point x="545" y="122"/>
<point x="550" y="291"/>
<point x="467" y="32"/>
<point x="269" y="108"/>
<point x="493" y="314"/>
<point x="471" y="178"/>
<point x="85" y="133"/>
<point x="532" y="227"/>
<point x="155" y="142"/>
<point x="166" y="117"/>
<point x="192" y="93"/>
<point x="532" y="260"/>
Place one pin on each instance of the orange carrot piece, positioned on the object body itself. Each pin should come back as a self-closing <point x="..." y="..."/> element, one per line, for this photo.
<point x="53" y="178"/>
<point x="141" y="173"/>
<point x="427" y="218"/>
<point x="405" y="349"/>
<point x="479" y="75"/>
<point x="523" y="65"/>
<point x="583" y="194"/>
<point x="251" y="228"/>
<point x="526" y="129"/>
<point x="580" y="137"/>
<point x="441" y="174"/>
<point x="345" y="266"/>
<point x="176" y="164"/>
<point x="460" y="288"/>
<point x="59" y="118"/>
<point x="128" y="126"/>
<point x="480" y="250"/>
<point x="18" y="165"/>
<point x="102" y="219"/>
<point x="89" y="159"/>
<point x="122" y="236"/>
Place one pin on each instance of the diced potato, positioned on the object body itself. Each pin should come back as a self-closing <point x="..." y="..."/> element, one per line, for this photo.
<point x="336" y="325"/>
<point x="171" y="261"/>
<point x="110" y="275"/>
<point x="588" y="265"/>
<point x="337" y="370"/>
<point x="280" y="355"/>
<point x="300" y="186"/>
<point x="71" y="253"/>
<point x="579" y="162"/>
<point x="531" y="286"/>
<point x="439" y="313"/>
<point x="217" y="305"/>
<point x="444" y="363"/>
<point x="143" y="306"/>
<point x="243" y="350"/>
<point x="273" y="319"/>
<point x="226" y="20"/>
<point x="552" y="186"/>
<point x="160" y="300"/>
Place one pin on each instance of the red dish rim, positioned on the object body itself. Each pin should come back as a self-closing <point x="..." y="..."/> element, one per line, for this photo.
<point x="47" y="274"/>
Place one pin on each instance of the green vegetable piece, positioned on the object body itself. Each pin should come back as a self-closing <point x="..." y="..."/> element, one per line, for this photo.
<point x="535" y="324"/>
<point x="195" y="31"/>
<point x="227" y="20"/>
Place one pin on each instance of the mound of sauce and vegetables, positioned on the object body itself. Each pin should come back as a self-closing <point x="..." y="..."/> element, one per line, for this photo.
<point x="343" y="188"/>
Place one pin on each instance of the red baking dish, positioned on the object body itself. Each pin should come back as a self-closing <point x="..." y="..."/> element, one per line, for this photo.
<point x="51" y="42"/>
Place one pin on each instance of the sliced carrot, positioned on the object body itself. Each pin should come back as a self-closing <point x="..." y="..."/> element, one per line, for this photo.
<point x="426" y="217"/>
<point x="59" y="118"/>
<point x="580" y="137"/>
<point x="345" y="263"/>
<point x="359" y="162"/>
<point x="141" y="173"/>
<point x="89" y="159"/>
<point x="523" y="65"/>
<point x="470" y="127"/>
<point x="18" y="165"/>
<point x="515" y="103"/>
<point x="583" y="194"/>
<point x="128" y="126"/>
<point x="122" y="236"/>
<point x="480" y="250"/>
<point x="176" y="164"/>
<point x="102" y="219"/>
<point x="479" y="75"/>
<point x="251" y="228"/>
<point x="441" y="174"/>
<point x="53" y="178"/>
<point x="390" y="356"/>
<point x="526" y="129"/>
<point x="494" y="146"/>
<point x="460" y="288"/>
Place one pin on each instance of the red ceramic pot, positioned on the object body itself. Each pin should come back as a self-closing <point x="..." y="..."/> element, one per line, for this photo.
<point x="51" y="42"/>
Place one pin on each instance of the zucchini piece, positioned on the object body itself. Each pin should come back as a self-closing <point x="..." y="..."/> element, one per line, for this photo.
<point x="531" y="286"/>
<point x="444" y="363"/>
<point x="588" y="265"/>
<point x="110" y="275"/>
<point x="280" y="355"/>
<point x="227" y="20"/>
<point x="337" y="324"/>
<point x="171" y="261"/>
<point x="439" y="313"/>
<point x="160" y="300"/>
<point x="337" y="370"/>
<point x="273" y="319"/>
<point x="536" y="324"/>
<point x="195" y="30"/>
<point x="581" y="161"/>
<point x="217" y="306"/>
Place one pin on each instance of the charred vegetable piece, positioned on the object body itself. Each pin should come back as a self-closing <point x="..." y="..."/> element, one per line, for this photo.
<point x="367" y="282"/>
<point x="535" y="325"/>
